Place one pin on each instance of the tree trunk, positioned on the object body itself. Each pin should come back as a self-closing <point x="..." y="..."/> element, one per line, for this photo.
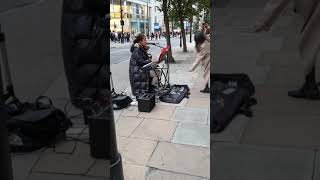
<point x="166" y="22"/>
<point x="183" y="33"/>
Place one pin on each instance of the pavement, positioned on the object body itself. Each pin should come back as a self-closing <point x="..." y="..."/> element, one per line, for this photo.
<point x="281" y="141"/>
<point x="171" y="142"/>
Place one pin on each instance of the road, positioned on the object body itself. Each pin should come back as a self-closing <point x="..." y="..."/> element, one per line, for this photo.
<point x="121" y="53"/>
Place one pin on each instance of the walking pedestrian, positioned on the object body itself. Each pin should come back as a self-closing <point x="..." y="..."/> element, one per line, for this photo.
<point x="309" y="45"/>
<point x="203" y="56"/>
<point x="116" y="37"/>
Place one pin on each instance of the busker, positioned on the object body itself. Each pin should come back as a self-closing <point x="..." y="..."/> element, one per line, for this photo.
<point x="141" y="81"/>
<point x="309" y="42"/>
<point x="203" y="56"/>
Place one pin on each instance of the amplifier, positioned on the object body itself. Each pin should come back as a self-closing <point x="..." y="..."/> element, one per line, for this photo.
<point x="99" y="132"/>
<point x="146" y="102"/>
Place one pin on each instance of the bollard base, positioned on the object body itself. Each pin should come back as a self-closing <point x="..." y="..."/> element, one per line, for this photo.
<point x="116" y="170"/>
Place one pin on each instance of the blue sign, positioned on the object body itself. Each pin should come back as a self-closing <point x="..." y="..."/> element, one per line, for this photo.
<point x="156" y="26"/>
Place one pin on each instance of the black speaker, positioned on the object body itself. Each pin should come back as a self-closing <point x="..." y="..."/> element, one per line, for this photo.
<point x="146" y="102"/>
<point x="99" y="126"/>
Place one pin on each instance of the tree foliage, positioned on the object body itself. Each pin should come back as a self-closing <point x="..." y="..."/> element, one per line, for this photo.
<point x="180" y="11"/>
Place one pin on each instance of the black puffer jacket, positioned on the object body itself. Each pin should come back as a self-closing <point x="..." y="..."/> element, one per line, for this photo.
<point x="85" y="39"/>
<point x="139" y="79"/>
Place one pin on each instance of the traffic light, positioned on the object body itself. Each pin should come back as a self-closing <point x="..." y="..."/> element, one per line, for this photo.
<point x="122" y="22"/>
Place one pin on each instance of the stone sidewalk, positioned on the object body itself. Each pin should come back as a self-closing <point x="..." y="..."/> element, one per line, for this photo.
<point x="171" y="142"/>
<point x="281" y="141"/>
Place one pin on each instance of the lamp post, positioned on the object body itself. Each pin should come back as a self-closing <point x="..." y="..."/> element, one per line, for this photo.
<point x="5" y="159"/>
<point x="148" y="18"/>
<point x="121" y="22"/>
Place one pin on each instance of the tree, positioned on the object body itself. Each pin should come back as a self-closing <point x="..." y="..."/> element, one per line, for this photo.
<point x="185" y="10"/>
<point x="165" y="8"/>
<point x="180" y="12"/>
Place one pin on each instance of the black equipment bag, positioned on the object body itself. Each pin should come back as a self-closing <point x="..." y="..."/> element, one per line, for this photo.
<point x="176" y="94"/>
<point x="36" y="125"/>
<point x="120" y="101"/>
<point x="231" y="94"/>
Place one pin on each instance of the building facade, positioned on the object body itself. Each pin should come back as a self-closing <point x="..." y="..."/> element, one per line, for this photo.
<point x="138" y="16"/>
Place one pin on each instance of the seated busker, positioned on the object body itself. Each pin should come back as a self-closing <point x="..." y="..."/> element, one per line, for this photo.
<point x="141" y="81"/>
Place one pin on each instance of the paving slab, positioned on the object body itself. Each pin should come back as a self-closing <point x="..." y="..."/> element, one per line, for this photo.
<point x="182" y="159"/>
<point x="192" y="134"/>
<point x="316" y="174"/>
<point x="280" y="59"/>
<point x="116" y="114"/>
<point x="191" y="115"/>
<point x="77" y="163"/>
<point x="42" y="176"/>
<point x="131" y="111"/>
<point x="199" y="102"/>
<point x="127" y="125"/>
<point x="291" y="130"/>
<point x="136" y="151"/>
<point x="157" y="130"/>
<point x="65" y="147"/>
<point x="264" y="163"/>
<point x="159" y="112"/>
<point x="134" y="172"/>
<point x="101" y="168"/>
<point x="233" y="131"/>
<point x="195" y="93"/>
<point x="75" y="131"/>
<point x="242" y="64"/>
<point x="22" y="165"/>
<point x="293" y="76"/>
<point x="165" y="175"/>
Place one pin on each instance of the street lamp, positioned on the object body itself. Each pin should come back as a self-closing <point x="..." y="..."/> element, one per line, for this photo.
<point x="148" y="18"/>
<point x="121" y="22"/>
<point x="5" y="159"/>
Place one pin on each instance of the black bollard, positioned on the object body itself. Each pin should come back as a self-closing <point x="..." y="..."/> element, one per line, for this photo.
<point x="103" y="142"/>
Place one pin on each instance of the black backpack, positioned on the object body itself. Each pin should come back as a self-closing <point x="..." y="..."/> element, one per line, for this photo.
<point x="35" y="125"/>
<point x="231" y="95"/>
<point x="120" y="101"/>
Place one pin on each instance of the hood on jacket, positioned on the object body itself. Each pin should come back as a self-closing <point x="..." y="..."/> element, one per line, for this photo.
<point x="133" y="46"/>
